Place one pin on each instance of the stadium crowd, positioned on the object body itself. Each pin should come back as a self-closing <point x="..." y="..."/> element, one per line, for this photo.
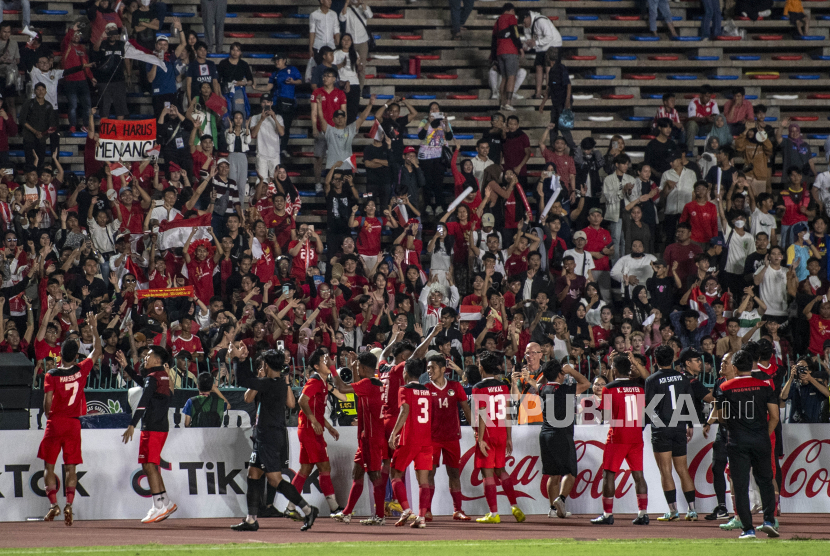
<point x="595" y="257"/>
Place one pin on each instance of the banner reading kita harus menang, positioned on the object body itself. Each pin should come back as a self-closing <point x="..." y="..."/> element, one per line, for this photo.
<point x="125" y="140"/>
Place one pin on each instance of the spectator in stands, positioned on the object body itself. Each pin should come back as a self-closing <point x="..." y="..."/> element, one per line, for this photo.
<point x="722" y="176"/>
<point x="588" y="161"/>
<point x="8" y="128"/>
<point x="268" y="128"/>
<point x="173" y="131"/>
<point x="341" y="198"/>
<point x="434" y="132"/>
<point x="481" y="161"/>
<point x="721" y="131"/>
<point x="394" y="126"/>
<point x="75" y="85"/>
<point x="710" y="28"/>
<point x="771" y="280"/>
<point x="234" y="77"/>
<point x="33" y="51"/>
<point x="755" y="148"/>
<point x="355" y="14"/>
<point x="505" y="51"/>
<point x="517" y="150"/>
<point x="208" y="407"/>
<point x="101" y="14"/>
<point x="700" y="116"/>
<point x="39" y="122"/>
<point x="616" y="188"/>
<point x="410" y="180"/>
<point x="668" y="111"/>
<point x="213" y="18"/>
<point x="113" y="71"/>
<point x="349" y="63"/>
<point x="227" y="198"/>
<point x="164" y="84"/>
<point x="559" y="93"/>
<point x="702" y="215"/>
<point x="9" y="60"/>
<point x="661" y="6"/>
<point x="283" y="82"/>
<point x="661" y="150"/>
<point x="238" y="139"/>
<point x="795" y="10"/>
<point x="206" y="121"/>
<point x="738" y="111"/>
<point x="26" y="13"/>
<point x="323" y="30"/>
<point x="378" y="172"/>
<point x="145" y="24"/>
<point x="676" y="190"/>
<point x="201" y="70"/>
<point x="330" y="100"/>
<point x="795" y="151"/>
<point x="600" y="246"/>
<point x="339" y="137"/>
<point x="539" y="35"/>
<point x="806" y="387"/>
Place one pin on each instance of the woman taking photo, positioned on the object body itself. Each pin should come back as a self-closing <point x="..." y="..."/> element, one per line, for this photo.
<point x="434" y="132"/>
<point x="349" y="64"/>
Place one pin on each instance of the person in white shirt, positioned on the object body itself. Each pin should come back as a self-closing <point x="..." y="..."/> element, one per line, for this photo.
<point x="762" y="218"/>
<point x="772" y="279"/>
<point x="44" y="73"/>
<point x="267" y="128"/>
<point x="355" y="15"/>
<point x="493" y="242"/>
<point x="582" y="259"/>
<point x="677" y="187"/>
<point x="482" y="159"/>
<point x="540" y="35"/>
<point x="635" y="268"/>
<point x="323" y="30"/>
<point x="739" y="244"/>
<point x="820" y="192"/>
<point x="617" y="187"/>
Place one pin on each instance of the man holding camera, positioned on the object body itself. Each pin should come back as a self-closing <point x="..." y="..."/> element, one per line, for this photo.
<point x="806" y="387"/>
<point x="108" y="56"/>
<point x="268" y="130"/>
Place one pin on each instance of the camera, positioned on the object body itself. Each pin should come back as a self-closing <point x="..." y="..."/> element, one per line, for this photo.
<point x="345" y="374"/>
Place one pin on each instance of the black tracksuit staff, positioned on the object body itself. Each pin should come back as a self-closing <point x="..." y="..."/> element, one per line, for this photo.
<point x="742" y="405"/>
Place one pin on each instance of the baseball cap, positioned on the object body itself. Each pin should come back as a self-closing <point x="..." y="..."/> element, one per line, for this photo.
<point x="580" y="235"/>
<point x="223" y="161"/>
<point x="162" y="38"/>
<point x="717" y="240"/>
<point x="122" y="237"/>
<point x="339" y="113"/>
<point x="690" y="353"/>
<point x="594" y="209"/>
<point x="408" y="150"/>
<point x="173" y="167"/>
<point x="124" y="190"/>
<point x="488" y="220"/>
<point x="799" y="227"/>
<point x="280" y="56"/>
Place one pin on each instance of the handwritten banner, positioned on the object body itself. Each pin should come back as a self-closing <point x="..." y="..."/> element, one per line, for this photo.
<point x="125" y="140"/>
<point x="185" y="291"/>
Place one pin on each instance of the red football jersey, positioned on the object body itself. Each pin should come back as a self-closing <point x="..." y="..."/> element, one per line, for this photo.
<point x="446" y="425"/>
<point x="200" y="275"/>
<point x="491" y="397"/>
<point x="44" y="350"/>
<point x="316" y="391"/>
<point x="193" y="345"/>
<point x="392" y="381"/>
<point x="67" y="387"/>
<point x="627" y="400"/>
<point x="369" y="403"/>
<point x="417" y="430"/>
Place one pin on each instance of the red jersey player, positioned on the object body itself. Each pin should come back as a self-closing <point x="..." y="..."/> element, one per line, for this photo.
<point x="63" y="403"/>
<point x="624" y="398"/>
<point x="447" y="395"/>
<point x="412" y="441"/>
<point x="491" y="400"/>
<point x="370" y="434"/>
<point x="310" y="427"/>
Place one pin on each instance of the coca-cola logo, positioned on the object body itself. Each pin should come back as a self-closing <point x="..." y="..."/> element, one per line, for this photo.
<point x="590" y="480"/>
<point x="795" y="473"/>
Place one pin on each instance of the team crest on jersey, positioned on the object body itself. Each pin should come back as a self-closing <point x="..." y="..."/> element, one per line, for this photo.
<point x="452" y="393"/>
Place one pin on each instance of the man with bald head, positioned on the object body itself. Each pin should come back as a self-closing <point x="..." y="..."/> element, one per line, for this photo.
<point x="530" y="409"/>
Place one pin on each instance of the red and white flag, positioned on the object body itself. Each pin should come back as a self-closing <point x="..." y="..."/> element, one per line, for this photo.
<point x="118" y="169"/>
<point x="174" y="233"/>
<point x="135" y="51"/>
<point x="469" y="312"/>
<point x="351" y="161"/>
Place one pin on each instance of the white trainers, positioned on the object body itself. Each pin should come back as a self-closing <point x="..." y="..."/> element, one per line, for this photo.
<point x="167" y="511"/>
<point x="560" y="508"/>
<point x="406" y="515"/>
<point x="342" y="518"/>
<point x="374" y="520"/>
<point x="494" y="95"/>
<point x="318" y="188"/>
<point x="430" y="211"/>
<point x="508" y="108"/>
<point x="517" y="96"/>
<point x="439" y="210"/>
<point x="152" y="515"/>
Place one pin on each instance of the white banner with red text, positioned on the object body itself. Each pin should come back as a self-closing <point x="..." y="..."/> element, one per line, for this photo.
<point x="204" y="472"/>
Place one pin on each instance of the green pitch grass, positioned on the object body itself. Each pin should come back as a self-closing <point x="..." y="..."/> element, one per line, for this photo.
<point x="653" y="547"/>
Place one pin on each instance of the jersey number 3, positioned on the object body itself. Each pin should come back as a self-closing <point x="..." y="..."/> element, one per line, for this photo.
<point x="423" y="417"/>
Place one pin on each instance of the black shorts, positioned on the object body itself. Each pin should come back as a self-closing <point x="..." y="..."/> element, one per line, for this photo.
<point x="558" y="453"/>
<point x="797" y="16"/>
<point x="669" y="440"/>
<point x="267" y="454"/>
<point x="541" y="59"/>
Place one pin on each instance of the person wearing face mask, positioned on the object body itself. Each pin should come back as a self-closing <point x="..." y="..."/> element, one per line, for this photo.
<point x="739" y="244"/>
<point x="110" y="66"/>
<point x="635" y="268"/>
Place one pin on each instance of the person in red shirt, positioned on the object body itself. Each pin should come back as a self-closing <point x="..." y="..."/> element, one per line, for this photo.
<point x="200" y="259"/>
<point x="277" y="218"/>
<point x="819" y="324"/>
<point x="64" y="402"/>
<point x="447" y="397"/>
<point x="310" y="427"/>
<point x="507" y="44"/>
<point x="683" y="252"/>
<point x="185" y="340"/>
<point x="523" y="246"/>
<point x="73" y="53"/>
<point x="369" y="230"/>
<point x="623" y="399"/>
<point x="331" y="100"/>
<point x="702" y="216"/>
<point x="460" y="230"/>
<point x="600" y="245"/>
<point x="46" y="341"/>
<point x="304" y="251"/>
<point x="370" y="433"/>
<point x="411" y="439"/>
<point x="203" y="155"/>
<point x="491" y="422"/>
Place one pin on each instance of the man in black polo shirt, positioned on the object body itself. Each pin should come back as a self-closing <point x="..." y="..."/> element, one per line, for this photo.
<point x="559" y="93"/>
<point x="748" y="408"/>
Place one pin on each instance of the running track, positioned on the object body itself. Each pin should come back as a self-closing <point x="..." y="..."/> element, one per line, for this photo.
<point x="278" y="530"/>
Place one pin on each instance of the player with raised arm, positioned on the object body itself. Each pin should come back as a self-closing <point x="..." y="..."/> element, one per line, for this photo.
<point x="623" y="399"/>
<point x="411" y="440"/>
<point x="152" y="411"/>
<point x="492" y="423"/>
<point x="371" y="436"/>
<point x="447" y="396"/>
<point x="670" y="391"/>
<point x="269" y="435"/>
<point x="310" y="427"/>
<point x="64" y="402"/>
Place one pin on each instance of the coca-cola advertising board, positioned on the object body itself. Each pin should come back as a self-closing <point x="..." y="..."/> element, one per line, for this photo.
<point x="204" y="472"/>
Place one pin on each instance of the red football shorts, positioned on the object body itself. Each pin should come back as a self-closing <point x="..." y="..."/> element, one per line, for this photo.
<point x="370" y="455"/>
<point x="388" y="427"/>
<point x="451" y="450"/>
<point x="496" y="455"/>
<point x="150" y="445"/>
<point x="614" y="455"/>
<point x="61" y="433"/>
<point x="312" y="447"/>
<point x="421" y="455"/>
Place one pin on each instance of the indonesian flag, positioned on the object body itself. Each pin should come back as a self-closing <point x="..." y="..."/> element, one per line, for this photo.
<point x="376" y="133"/>
<point x="118" y="169"/>
<point x="174" y="233"/>
<point x="695" y="306"/>
<point x="137" y="271"/>
<point x="351" y="161"/>
<point x="469" y="312"/>
<point x="401" y="214"/>
<point x="135" y="51"/>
